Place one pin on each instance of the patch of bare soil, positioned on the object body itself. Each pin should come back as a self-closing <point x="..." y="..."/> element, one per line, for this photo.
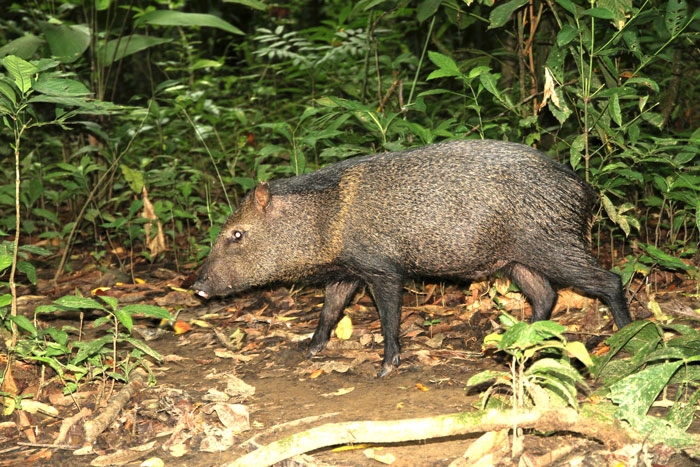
<point x="235" y="377"/>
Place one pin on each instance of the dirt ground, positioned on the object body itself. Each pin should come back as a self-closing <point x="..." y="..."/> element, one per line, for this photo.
<point x="235" y="375"/>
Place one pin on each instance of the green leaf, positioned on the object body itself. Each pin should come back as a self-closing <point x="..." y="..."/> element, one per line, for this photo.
<point x="614" y="109"/>
<point x="21" y="71"/>
<point x="133" y="177"/>
<point x="676" y="14"/>
<point x="566" y="35"/>
<point x="255" y="4"/>
<point x="664" y="259"/>
<point x="636" y="392"/>
<point x="75" y="302"/>
<point x="180" y="18"/>
<point x="24" y="323"/>
<point x="67" y="43"/>
<point x="426" y="9"/>
<point x="143" y="347"/>
<point x="602" y="13"/>
<point x="5" y="299"/>
<point x="117" y="49"/>
<point x="578" y="350"/>
<point x="110" y="301"/>
<point x="90" y="348"/>
<point x="124" y="319"/>
<point x="151" y="311"/>
<point x="502" y="13"/>
<point x="486" y="376"/>
<point x="61" y="87"/>
<point x="28" y="269"/>
<point x="24" y="47"/>
<point x="5" y="262"/>
<point x="446" y="66"/>
<point x="569" y="6"/>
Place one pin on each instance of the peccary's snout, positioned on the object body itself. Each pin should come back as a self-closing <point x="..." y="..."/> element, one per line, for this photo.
<point x="200" y="286"/>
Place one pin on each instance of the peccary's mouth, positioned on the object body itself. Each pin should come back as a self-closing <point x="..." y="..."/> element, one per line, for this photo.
<point x="202" y="293"/>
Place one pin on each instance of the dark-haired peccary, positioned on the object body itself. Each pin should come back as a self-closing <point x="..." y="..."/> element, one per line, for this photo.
<point x="458" y="210"/>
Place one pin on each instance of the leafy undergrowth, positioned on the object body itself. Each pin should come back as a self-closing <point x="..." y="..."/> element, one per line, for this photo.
<point x="230" y="375"/>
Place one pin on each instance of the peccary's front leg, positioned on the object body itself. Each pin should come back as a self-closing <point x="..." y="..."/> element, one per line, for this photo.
<point x="338" y="294"/>
<point x="387" y="293"/>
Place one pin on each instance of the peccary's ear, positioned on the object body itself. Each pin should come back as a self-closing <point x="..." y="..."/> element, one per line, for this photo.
<point x="262" y="196"/>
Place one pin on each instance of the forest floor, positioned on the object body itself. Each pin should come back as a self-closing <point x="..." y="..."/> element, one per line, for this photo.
<point x="234" y="376"/>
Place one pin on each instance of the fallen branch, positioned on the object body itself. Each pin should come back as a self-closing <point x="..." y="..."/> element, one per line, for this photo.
<point x="608" y="432"/>
<point x="94" y="427"/>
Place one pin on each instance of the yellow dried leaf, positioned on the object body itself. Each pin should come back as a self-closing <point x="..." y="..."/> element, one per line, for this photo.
<point x="344" y="328"/>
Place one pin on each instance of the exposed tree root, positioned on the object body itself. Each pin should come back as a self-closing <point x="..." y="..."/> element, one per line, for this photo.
<point x="395" y="431"/>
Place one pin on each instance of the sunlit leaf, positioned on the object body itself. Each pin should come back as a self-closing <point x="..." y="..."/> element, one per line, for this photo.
<point x="180" y="18"/>
<point x="67" y="43"/>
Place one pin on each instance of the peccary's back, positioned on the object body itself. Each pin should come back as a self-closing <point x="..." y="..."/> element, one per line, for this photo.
<point x="461" y="208"/>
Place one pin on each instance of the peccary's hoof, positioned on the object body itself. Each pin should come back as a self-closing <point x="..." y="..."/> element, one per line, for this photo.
<point x="388" y="367"/>
<point x="313" y="349"/>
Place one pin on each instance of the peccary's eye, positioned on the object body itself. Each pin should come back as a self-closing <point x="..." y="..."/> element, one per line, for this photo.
<point x="236" y="236"/>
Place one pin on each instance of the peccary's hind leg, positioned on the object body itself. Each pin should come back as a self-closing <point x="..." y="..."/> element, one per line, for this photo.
<point x="387" y="294"/>
<point x="599" y="283"/>
<point x="338" y="295"/>
<point x="536" y="288"/>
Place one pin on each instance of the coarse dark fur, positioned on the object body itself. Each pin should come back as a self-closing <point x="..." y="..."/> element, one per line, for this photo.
<point x="458" y="210"/>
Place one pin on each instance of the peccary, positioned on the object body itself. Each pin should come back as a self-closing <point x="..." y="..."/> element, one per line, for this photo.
<point x="457" y="210"/>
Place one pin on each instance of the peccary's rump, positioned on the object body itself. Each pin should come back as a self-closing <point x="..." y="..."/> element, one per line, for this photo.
<point x="459" y="210"/>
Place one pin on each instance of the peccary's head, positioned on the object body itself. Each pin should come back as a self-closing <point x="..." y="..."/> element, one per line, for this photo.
<point x="268" y="238"/>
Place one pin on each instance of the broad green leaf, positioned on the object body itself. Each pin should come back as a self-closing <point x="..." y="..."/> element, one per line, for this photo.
<point x="143" y="347"/>
<point x="486" y="376"/>
<point x="133" y="177"/>
<point x="21" y="72"/>
<point x="577" y="350"/>
<point x="255" y="4"/>
<point x="24" y="323"/>
<point x="636" y="392"/>
<point x="426" y="9"/>
<point x="28" y="269"/>
<point x="124" y="319"/>
<point x="602" y="13"/>
<point x="73" y="301"/>
<point x="609" y="208"/>
<point x="5" y="299"/>
<point x="5" y="262"/>
<point x="676" y="14"/>
<point x="60" y="87"/>
<point x="489" y="82"/>
<point x="24" y="47"/>
<point x="180" y="18"/>
<point x="566" y="35"/>
<point x="659" y="430"/>
<point x="117" y="49"/>
<point x="112" y="302"/>
<point x="151" y="311"/>
<point x="93" y="347"/>
<point x="446" y="66"/>
<point x="614" y="109"/>
<point x="67" y="43"/>
<point x="569" y="6"/>
<point x="682" y="414"/>
<point x="502" y="13"/>
<point x="664" y="259"/>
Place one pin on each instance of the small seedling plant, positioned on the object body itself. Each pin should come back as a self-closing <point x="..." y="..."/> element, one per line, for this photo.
<point x="76" y="361"/>
<point x="541" y="375"/>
